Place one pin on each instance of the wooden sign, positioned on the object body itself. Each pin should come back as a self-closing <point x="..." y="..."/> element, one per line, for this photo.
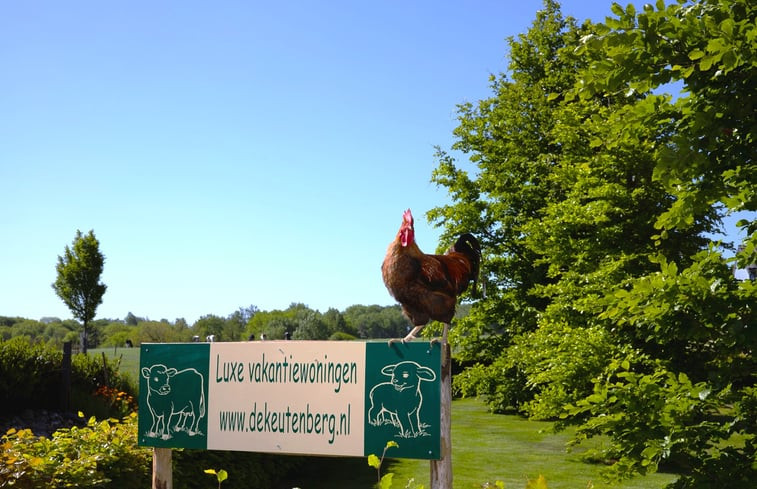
<point x="293" y="397"/>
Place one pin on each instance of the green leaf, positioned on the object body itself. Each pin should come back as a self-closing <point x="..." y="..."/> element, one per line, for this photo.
<point x="538" y="483"/>
<point x="706" y="63"/>
<point x="222" y="475"/>
<point x="386" y="481"/>
<point x="727" y="27"/>
<point x="696" y="54"/>
<point x="374" y="461"/>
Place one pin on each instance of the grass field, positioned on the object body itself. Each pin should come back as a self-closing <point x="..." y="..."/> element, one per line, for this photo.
<point x="129" y="359"/>
<point x="485" y="448"/>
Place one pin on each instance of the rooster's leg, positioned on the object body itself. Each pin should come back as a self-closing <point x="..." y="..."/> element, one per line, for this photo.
<point x="410" y="336"/>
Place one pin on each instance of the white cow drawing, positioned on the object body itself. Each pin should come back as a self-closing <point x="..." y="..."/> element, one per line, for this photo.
<point x="174" y="393"/>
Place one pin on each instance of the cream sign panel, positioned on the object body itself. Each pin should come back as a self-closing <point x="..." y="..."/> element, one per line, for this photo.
<point x="288" y="397"/>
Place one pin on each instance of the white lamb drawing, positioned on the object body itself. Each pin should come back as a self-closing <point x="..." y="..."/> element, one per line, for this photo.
<point x="400" y="399"/>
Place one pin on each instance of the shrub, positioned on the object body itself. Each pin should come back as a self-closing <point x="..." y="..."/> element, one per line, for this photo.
<point x="102" y="454"/>
<point x="98" y="388"/>
<point x="29" y="375"/>
<point x="246" y="470"/>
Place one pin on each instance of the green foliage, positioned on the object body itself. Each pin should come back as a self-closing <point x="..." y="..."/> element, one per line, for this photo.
<point x="303" y="323"/>
<point x="342" y="336"/>
<point x="559" y="363"/>
<point x="661" y="417"/>
<point x="708" y="47"/>
<point x="161" y="332"/>
<point x="375" y="321"/>
<point x="595" y="194"/>
<point x="52" y="331"/>
<point x="385" y="481"/>
<point x="310" y="326"/>
<point x="555" y="364"/>
<point x="221" y="475"/>
<point x="248" y="470"/>
<point x="102" y="454"/>
<point x="78" y="280"/>
<point x="30" y="376"/>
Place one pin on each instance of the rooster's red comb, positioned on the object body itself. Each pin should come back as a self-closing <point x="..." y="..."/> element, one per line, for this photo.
<point x="408" y="216"/>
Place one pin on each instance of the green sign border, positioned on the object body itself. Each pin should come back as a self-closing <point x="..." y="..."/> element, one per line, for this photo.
<point x="403" y="399"/>
<point x="159" y="416"/>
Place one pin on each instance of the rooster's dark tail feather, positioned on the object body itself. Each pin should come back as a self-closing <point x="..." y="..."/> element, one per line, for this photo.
<point x="468" y="245"/>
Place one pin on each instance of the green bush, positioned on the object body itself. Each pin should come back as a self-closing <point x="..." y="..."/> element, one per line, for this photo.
<point x="102" y="454"/>
<point x="97" y="387"/>
<point x="30" y="376"/>
<point x="542" y="371"/>
<point x="246" y="470"/>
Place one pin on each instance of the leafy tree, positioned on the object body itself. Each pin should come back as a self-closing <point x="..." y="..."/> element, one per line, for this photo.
<point x="30" y="328"/>
<point x="376" y="321"/>
<point x="78" y="281"/>
<point x="237" y="322"/>
<point x="594" y="196"/>
<point x="335" y="323"/>
<point x="310" y="326"/>
<point x="116" y="333"/>
<point x="158" y="332"/>
<point x="131" y="319"/>
<point x="688" y="319"/>
<point x="274" y="324"/>
<point x="211" y="325"/>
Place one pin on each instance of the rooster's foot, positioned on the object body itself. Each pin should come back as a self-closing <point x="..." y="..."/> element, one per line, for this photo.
<point x="406" y="339"/>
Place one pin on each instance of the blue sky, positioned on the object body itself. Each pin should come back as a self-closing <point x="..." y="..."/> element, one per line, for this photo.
<point x="231" y="153"/>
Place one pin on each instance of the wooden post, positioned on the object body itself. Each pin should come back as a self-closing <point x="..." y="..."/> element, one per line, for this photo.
<point x="105" y="370"/>
<point x="162" y="476"/>
<point x="441" y="470"/>
<point x="65" y="388"/>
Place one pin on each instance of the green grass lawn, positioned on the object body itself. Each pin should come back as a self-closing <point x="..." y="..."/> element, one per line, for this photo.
<point x="129" y="359"/>
<point x="485" y="448"/>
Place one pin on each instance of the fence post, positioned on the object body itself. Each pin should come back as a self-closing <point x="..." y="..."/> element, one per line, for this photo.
<point x="105" y="370"/>
<point x="65" y="387"/>
<point x="441" y="470"/>
<point x="162" y="476"/>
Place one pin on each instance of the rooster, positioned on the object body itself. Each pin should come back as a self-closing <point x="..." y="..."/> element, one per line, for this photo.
<point x="427" y="286"/>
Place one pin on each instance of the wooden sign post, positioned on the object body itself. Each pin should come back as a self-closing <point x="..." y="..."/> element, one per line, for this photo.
<point x="441" y="470"/>
<point x="162" y="475"/>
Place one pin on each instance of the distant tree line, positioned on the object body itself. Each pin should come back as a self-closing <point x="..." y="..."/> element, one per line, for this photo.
<point x="298" y="321"/>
